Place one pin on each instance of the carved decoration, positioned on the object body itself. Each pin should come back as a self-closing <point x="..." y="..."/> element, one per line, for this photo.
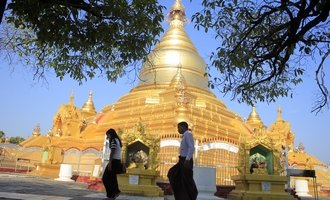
<point x="138" y="134"/>
<point x="271" y="155"/>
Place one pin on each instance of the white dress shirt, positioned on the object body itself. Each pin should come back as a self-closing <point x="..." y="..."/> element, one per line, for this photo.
<point x="187" y="145"/>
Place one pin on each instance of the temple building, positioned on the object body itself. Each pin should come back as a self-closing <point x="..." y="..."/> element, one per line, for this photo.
<point x="172" y="88"/>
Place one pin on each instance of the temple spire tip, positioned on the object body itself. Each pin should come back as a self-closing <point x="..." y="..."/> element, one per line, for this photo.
<point x="177" y="13"/>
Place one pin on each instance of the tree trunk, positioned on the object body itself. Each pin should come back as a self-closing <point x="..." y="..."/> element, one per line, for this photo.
<point x="3" y="4"/>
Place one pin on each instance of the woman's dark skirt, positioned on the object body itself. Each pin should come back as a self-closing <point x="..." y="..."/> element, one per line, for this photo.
<point x="109" y="178"/>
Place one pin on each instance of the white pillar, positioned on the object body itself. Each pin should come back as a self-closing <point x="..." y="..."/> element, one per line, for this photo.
<point x="96" y="170"/>
<point x="65" y="173"/>
<point x="302" y="188"/>
<point x="205" y="181"/>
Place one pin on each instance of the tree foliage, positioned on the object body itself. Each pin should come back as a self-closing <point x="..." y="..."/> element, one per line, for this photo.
<point x="83" y="38"/>
<point x="16" y="140"/>
<point x="264" y="46"/>
<point x="2" y="136"/>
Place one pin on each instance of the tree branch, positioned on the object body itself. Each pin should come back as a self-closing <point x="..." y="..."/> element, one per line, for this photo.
<point x="319" y="76"/>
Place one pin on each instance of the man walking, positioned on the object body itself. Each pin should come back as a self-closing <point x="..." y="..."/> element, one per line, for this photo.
<point x="181" y="174"/>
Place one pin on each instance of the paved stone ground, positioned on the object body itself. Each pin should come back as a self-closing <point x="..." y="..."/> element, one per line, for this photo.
<point x="26" y="187"/>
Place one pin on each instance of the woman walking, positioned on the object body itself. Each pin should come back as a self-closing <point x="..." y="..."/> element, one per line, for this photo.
<point x="109" y="177"/>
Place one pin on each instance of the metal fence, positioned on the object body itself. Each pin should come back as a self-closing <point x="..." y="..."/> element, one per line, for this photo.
<point x="22" y="165"/>
<point x="16" y="164"/>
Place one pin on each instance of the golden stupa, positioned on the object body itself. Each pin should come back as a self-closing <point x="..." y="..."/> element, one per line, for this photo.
<point x="172" y="88"/>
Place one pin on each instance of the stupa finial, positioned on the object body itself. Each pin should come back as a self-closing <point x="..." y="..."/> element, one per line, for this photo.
<point x="71" y="101"/>
<point x="177" y="15"/>
<point x="36" y="130"/>
<point x="279" y="113"/>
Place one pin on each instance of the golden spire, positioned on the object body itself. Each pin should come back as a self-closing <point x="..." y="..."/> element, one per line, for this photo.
<point x="36" y="130"/>
<point x="89" y="105"/>
<point x="279" y="113"/>
<point x="254" y="116"/>
<point x="254" y="120"/>
<point x="177" y="15"/>
<point x="71" y="101"/>
<point x="174" y="50"/>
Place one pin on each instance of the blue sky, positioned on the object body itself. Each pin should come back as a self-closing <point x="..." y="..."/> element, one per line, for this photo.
<point x="25" y="102"/>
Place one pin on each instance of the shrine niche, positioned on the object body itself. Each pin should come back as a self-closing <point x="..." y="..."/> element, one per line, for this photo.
<point x="140" y="152"/>
<point x="260" y="169"/>
<point x="260" y="155"/>
<point x="261" y="160"/>
<point x="140" y="147"/>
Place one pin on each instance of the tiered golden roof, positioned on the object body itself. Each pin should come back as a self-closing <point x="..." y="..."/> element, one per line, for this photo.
<point x="88" y="109"/>
<point x="254" y="120"/>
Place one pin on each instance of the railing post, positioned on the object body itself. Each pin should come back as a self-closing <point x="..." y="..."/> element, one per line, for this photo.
<point x="15" y="164"/>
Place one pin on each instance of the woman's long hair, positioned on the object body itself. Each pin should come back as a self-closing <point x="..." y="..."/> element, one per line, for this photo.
<point x="113" y="135"/>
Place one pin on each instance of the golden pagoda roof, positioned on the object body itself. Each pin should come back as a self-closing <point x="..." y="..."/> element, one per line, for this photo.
<point x="173" y="88"/>
<point x="36" y="130"/>
<point x="175" y="50"/>
<point x="282" y="129"/>
<point x="254" y="120"/>
<point x="89" y="105"/>
<point x="299" y="159"/>
<point x="280" y="125"/>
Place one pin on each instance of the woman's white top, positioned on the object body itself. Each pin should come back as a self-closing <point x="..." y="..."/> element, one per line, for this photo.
<point x="116" y="148"/>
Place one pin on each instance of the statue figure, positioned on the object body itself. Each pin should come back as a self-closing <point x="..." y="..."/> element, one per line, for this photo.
<point x="132" y="164"/>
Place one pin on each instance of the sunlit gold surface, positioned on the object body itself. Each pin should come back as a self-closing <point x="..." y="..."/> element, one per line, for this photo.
<point x="145" y="170"/>
<point x="173" y="88"/>
<point x="88" y="109"/>
<point x="249" y="184"/>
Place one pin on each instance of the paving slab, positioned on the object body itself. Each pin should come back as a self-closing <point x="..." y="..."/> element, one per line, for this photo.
<point x="26" y="187"/>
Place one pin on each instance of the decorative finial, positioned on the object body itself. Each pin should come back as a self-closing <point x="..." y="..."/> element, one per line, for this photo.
<point x="71" y="101"/>
<point x="301" y="148"/>
<point x="279" y="112"/>
<point x="178" y="80"/>
<point x="177" y="15"/>
<point x="36" y="130"/>
<point x="179" y="83"/>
